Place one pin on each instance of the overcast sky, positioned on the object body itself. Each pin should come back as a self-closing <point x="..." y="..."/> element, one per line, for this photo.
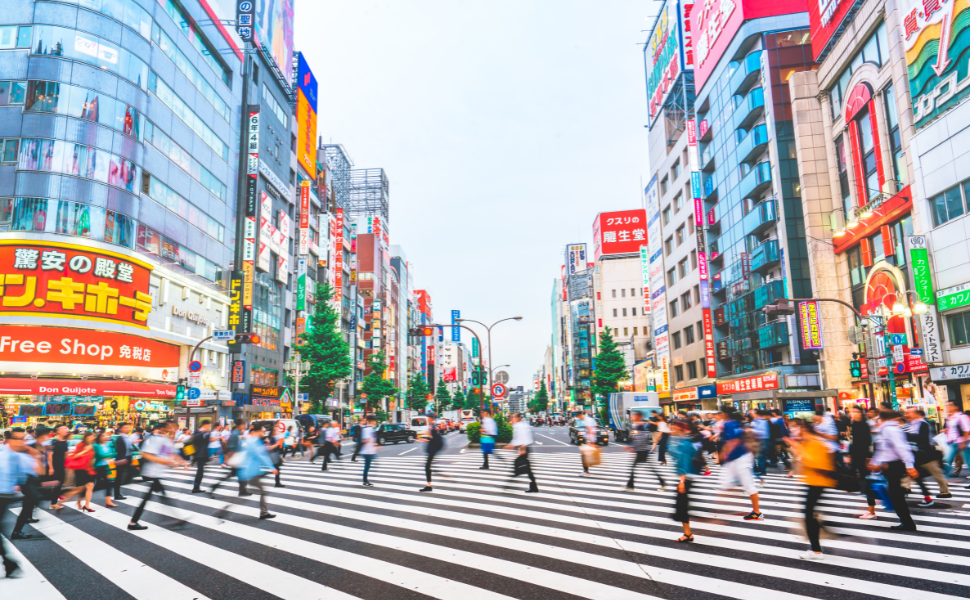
<point x="504" y="126"/>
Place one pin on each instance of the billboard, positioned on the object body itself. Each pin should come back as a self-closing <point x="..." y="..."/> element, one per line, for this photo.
<point x="719" y="20"/>
<point x="664" y="54"/>
<point x="936" y="55"/>
<point x="620" y="232"/>
<point x="575" y="258"/>
<point x="826" y="17"/>
<point x="274" y="29"/>
<point x="811" y="325"/>
<point x="658" y="296"/>
<point x="306" y="117"/>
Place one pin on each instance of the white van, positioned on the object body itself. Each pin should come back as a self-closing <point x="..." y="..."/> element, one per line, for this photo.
<point x="420" y="425"/>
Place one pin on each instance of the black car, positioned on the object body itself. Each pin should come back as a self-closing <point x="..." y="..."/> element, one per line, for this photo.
<point x="577" y="433"/>
<point x="389" y="433"/>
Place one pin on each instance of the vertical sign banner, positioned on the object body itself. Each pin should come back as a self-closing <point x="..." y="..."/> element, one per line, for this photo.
<point x="304" y="217"/>
<point x="245" y="14"/>
<point x="645" y="276"/>
<point x="251" y="231"/>
<point x="935" y="44"/>
<point x="306" y="117"/>
<point x="455" y="331"/>
<point x="338" y="260"/>
<point x="575" y="258"/>
<point x="474" y="347"/>
<point x="709" y="343"/>
<point x="301" y="284"/>
<point x="664" y="54"/>
<point x="811" y="325"/>
<point x="658" y="296"/>
<point x="923" y="285"/>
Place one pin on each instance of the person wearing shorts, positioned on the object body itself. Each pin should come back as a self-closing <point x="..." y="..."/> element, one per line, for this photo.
<point x="737" y="462"/>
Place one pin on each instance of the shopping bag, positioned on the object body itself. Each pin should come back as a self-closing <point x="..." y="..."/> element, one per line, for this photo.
<point x="877" y="483"/>
<point x="591" y="455"/>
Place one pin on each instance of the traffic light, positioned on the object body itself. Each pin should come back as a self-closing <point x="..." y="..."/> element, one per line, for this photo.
<point x="421" y="331"/>
<point x="180" y="392"/>
<point x="247" y="338"/>
<point x="783" y="308"/>
<point x="855" y="369"/>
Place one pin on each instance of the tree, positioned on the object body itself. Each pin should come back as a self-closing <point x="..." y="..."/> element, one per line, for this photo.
<point x="540" y="401"/>
<point x="417" y="392"/>
<point x="610" y="366"/>
<point x="375" y="385"/>
<point x="458" y="400"/>
<point x="442" y="396"/>
<point x="325" y="349"/>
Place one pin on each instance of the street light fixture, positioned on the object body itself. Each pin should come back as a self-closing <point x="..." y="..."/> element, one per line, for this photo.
<point x="488" y="328"/>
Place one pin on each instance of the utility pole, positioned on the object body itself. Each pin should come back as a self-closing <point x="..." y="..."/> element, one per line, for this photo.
<point x="296" y="369"/>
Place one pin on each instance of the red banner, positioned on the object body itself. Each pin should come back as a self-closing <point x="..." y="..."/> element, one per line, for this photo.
<point x="77" y="387"/>
<point x="768" y="381"/>
<point x="709" y="343"/>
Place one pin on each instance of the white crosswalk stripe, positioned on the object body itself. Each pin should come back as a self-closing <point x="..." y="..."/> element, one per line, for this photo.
<point x="577" y="538"/>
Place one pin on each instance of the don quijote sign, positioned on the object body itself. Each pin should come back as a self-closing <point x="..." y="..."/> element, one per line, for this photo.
<point x="190" y="316"/>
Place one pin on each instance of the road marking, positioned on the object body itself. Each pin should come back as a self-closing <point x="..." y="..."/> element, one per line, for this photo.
<point x="462" y="451"/>
<point x="31" y="583"/>
<point x="538" y="442"/>
<point x="553" y="439"/>
<point x="406" y="451"/>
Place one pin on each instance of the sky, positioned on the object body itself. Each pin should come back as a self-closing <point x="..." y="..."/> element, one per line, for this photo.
<point x="504" y="127"/>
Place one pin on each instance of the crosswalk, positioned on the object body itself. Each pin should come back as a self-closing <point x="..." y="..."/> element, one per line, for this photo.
<point x="470" y="539"/>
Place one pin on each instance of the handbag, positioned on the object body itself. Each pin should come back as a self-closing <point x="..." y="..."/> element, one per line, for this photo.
<point x="76" y="461"/>
<point x="591" y="455"/>
<point x="521" y="465"/>
<point x="235" y="460"/>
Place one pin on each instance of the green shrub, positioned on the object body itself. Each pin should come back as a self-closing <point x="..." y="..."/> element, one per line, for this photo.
<point x="474" y="431"/>
<point x="504" y="428"/>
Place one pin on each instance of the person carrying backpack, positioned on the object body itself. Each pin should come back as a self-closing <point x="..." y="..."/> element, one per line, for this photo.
<point x="919" y="434"/>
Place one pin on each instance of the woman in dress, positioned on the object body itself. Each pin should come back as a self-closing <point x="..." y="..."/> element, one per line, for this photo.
<point x="79" y="463"/>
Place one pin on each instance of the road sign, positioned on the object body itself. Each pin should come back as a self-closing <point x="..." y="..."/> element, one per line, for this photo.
<point x="195" y="366"/>
<point x="498" y="390"/>
<point x="501" y="377"/>
<point x="224" y="335"/>
<point x="897" y="339"/>
<point x="898" y="356"/>
<point x="916" y="352"/>
<point x="856" y="335"/>
<point x="194" y="393"/>
<point x="303" y="397"/>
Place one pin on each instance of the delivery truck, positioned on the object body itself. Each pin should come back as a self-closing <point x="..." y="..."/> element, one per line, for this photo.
<point x="622" y="404"/>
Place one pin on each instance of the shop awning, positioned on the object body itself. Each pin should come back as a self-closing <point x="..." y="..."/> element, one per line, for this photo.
<point x="77" y="387"/>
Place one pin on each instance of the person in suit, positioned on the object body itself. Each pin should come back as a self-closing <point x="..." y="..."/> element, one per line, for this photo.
<point x="200" y="454"/>
<point x="123" y="448"/>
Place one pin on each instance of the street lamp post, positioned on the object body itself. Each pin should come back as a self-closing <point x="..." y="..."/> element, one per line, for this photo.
<point x="488" y="328"/>
<point x="297" y="369"/>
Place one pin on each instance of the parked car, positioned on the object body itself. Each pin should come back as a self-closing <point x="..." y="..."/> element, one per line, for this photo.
<point x="577" y="433"/>
<point x="393" y="433"/>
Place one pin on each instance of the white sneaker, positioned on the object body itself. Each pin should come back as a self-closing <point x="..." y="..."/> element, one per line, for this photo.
<point x="584" y="474"/>
<point x="868" y="515"/>
<point x="810" y="555"/>
<point x="661" y="489"/>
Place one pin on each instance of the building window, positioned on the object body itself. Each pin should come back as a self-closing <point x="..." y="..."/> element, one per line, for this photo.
<point x="689" y="335"/>
<point x="697" y="294"/>
<point x="674" y="308"/>
<point x="671" y="277"/>
<point x="668" y="246"/>
<point x="693" y="259"/>
<point x="263" y="376"/>
<point x="675" y="172"/>
<point x="678" y="203"/>
<point x="682" y="268"/>
<point x="663" y="187"/>
<point x="679" y="372"/>
<point x="842" y="165"/>
<point x="676" y="340"/>
<point x="614" y="312"/>
<point x="667" y="216"/>
<point x="680" y="235"/>
<point x="8" y="150"/>
<point x="870" y="170"/>
<point x="623" y="292"/>
<point x="876" y="51"/>
<point x="624" y="312"/>
<point x="959" y="328"/>
<point x="857" y="272"/>
<point x="700" y="330"/>
<point x="634" y="331"/>
<point x="895" y="144"/>
<point x="685" y="301"/>
<point x="692" y="370"/>
<point x="948" y="205"/>
<point x="626" y="331"/>
<point x="690" y="224"/>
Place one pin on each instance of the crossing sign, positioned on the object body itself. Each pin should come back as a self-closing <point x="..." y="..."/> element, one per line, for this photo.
<point x="499" y="390"/>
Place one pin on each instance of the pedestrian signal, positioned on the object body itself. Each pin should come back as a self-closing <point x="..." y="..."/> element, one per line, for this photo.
<point x="855" y="369"/>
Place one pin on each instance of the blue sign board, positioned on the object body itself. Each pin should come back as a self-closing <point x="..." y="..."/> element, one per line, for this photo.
<point x="800" y="406"/>
<point x="307" y="82"/>
<point x="706" y="391"/>
<point x="916" y="352"/>
<point x="455" y="331"/>
<point x="897" y="339"/>
<point x="194" y="393"/>
<point x="695" y="184"/>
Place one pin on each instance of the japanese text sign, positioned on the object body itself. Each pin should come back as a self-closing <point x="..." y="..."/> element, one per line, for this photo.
<point x="709" y="343"/>
<point x="934" y="43"/>
<point x="768" y="381"/>
<point x="305" y="217"/>
<point x="621" y="232"/>
<point x="811" y="325"/>
<point x="54" y="279"/>
<point x="664" y="55"/>
<point x="920" y="261"/>
<point x="576" y="258"/>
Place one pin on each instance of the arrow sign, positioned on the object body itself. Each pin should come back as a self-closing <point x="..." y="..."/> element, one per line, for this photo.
<point x="942" y="62"/>
<point x="498" y="390"/>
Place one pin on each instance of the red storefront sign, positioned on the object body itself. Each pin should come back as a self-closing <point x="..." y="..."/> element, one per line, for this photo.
<point x="709" y="343"/>
<point x="768" y="381"/>
<point x="76" y="387"/>
<point x="53" y="279"/>
<point x="621" y="232"/>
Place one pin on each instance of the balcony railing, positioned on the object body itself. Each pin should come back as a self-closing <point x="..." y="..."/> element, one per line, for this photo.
<point x="756" y="181"/>
<point x="749" y="109"/>
<point x="748" y="70"/>
<point x="768" y="293"/>
<point x="759" y="219"/>
<point x="765" y="256"/>
<point x="753" y="144"/>
<point x="773" y="334"/>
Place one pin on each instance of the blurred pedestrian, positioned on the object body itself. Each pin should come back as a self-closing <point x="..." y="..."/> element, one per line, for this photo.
<point x="589" y="453"/>
<point x="331" y="443"/>
<point x="860" y="451"/>
<point x="200" y="453"/>
<point x="104" y="464"/>
<point x="817" y="464"/>
<point x="159" y="454"/>
<point x="640" y="447"/>
<point x="368" y="443"/>
<point x="689" y="459"/>
<point x="18" y="462"/>
<point x="894" y="457"/>
<point x="958" y="437"/>
<point x="256" y="463"/>
<point x="435" y="445"/>
<point x="489" y="435"/>
<point x="124" y="450"/>
<point x="919" y="434"/>
<point x="663" y="428"/>
<point x="80" y="468"/>
<point x="521" y="440"/>
<point x="737" y="461"/>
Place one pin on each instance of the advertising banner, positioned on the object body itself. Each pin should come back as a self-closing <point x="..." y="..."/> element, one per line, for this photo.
<point x="664" y="55"/>
<point x="920" y="261"/>
<point x="239" y="371"/>
<point x="658" y="296"/>
<point x="274" y="30"/>
<point x="575" y="258"/>
<point x="250" y="231"/>
<point x="74" y="387"/>
<point x="645" y="276"/>
<point x="306" y="117"/>
<point x="85" y="352"/>
<point x="937" y="60"/>
<point x="338" y="259"/>
<point x="811" y="325"/>
<point x="709" y="343"/>
<point x="304" y="217"/>
<point x="455" y="331"/>
<point x="621" y="232"/>
<point x="69" y="281"/>
<point x="768" y="381"/>
<point x="825" y="18"/>
<point x="301" y="284"/>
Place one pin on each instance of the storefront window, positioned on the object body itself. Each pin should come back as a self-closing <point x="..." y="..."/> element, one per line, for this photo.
<point x="263" y="376"/>
<point x="267" y="311"/>
<point x="857" y="272"/>
<point x="959" y="328"/>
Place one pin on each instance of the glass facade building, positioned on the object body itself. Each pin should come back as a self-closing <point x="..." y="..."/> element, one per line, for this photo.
<point x="752" y="197"/>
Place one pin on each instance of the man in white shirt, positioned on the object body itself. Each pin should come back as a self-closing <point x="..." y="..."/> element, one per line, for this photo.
<point x="331" y="444"/>
<point x="894" y="457"/>
<point x="521" y="440"/>
<point x="488" y="437"/>
<point x="368" y="450"/>
<point x="159" y="455"/>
